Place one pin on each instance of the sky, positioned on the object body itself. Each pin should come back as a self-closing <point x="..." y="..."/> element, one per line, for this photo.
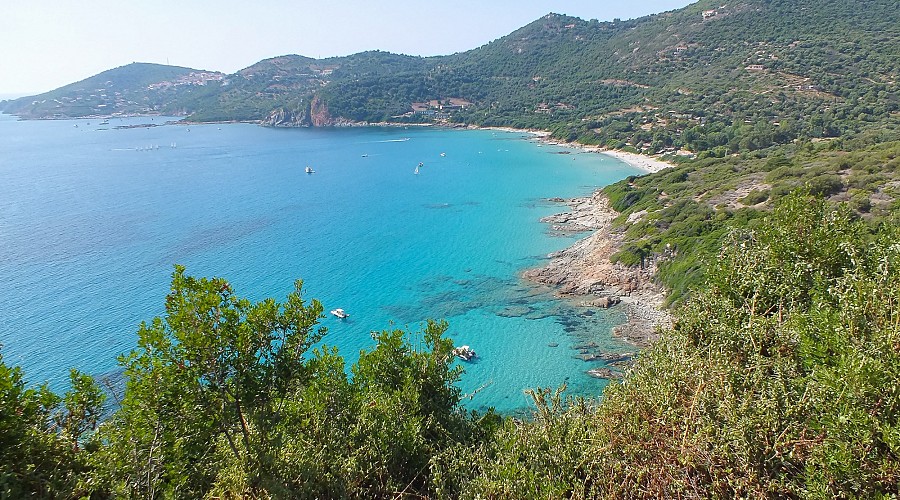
<point x="45" y="44"/>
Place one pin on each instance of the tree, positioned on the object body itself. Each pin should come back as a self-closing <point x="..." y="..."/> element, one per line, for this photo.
<point x="40" y="435"/>
<point x="206" y="388"/>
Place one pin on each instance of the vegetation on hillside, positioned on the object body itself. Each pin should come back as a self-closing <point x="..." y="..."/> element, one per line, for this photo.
<point x="686" y="211"/>
<point x="779" y="379"/>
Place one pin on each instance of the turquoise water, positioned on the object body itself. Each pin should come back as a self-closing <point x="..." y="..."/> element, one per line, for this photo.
<point x="92" y="219"/>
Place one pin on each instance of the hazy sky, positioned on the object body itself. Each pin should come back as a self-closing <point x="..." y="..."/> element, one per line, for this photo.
<point x="45" y="44"/>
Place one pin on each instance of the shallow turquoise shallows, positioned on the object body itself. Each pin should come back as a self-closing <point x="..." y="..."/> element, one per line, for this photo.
<point x="92" y="219"/>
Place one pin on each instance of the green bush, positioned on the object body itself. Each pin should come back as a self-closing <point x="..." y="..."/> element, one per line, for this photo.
<point x="776" y="381"/>
<point x="755" y="197"/>
<point x="824" y="185"/>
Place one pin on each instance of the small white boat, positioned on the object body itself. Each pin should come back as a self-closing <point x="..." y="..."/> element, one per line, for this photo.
<point x="443" y="154"/>
<point x="340" y="313"/>
<point x="365" y="155"/>
<point x="463" y="352"/>
<point x="309" y="170"/>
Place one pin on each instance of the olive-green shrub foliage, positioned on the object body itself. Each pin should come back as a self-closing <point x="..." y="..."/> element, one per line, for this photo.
<point x="41" y="435"/>
<point x="229" y="398"/>
<point x="780" y="379"/>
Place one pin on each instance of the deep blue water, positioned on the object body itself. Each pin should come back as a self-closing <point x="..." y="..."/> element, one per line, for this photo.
<point x="92" y="219"/>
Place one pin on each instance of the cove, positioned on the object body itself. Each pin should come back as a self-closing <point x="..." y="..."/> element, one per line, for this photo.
<point x="93" y="217"/>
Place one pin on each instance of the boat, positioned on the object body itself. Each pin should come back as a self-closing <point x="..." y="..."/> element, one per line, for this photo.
<point x="417" y="167"/>
<point x="463" y="352"/>
<point x="443" y="154"/>
<point x="365" y="155"/>
<point x="340" y="313"/>
<point x="309" y="170"/>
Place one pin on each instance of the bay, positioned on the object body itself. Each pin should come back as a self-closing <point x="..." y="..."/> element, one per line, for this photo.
<point x="93" y="218"/>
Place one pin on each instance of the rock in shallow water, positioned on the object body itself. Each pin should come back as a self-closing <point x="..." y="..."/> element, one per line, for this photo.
<point x="604" y="373"/>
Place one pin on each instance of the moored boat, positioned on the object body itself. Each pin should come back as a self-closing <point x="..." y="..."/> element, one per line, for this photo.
<point x="463" y="352"/>
<point x="340" y="313"/>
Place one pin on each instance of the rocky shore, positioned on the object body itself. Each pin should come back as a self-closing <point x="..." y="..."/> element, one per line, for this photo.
<point x="584" y="270"/>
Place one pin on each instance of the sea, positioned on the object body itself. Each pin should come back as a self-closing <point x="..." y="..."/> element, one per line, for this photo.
<point x="94" y="214"/>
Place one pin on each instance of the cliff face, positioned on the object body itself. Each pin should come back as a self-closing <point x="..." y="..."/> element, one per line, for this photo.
<point x="314" y="115"/>
<point x="283" y="117"/>
<point x="318" y="113"/>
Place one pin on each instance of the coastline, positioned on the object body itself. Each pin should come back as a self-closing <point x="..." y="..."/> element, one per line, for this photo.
<point x="583" y="271"/>
<point x="649" y="164"/>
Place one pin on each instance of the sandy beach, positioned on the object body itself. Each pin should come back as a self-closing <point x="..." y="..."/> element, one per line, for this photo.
<point x="649" y="164"/>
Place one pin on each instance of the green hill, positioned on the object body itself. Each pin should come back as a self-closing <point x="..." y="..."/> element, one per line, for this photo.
<point x="690" y="77"/>
<point x="137" y="88"/>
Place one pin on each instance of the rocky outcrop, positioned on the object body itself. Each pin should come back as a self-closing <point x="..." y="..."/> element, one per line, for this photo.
<point x="318" y="113"/>
<point x="585" y="269"/>
<point x="314" y="115"/>
<point x="584" y="216"/>
<point x="283" y="117"/>
<point x="605" y="373"/>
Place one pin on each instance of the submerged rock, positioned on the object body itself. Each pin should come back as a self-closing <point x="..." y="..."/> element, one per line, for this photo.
<point x="514" y="311"/>
<point x="604" y="373"/>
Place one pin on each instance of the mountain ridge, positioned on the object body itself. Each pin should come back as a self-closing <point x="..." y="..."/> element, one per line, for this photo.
<point x="565" y="68"/>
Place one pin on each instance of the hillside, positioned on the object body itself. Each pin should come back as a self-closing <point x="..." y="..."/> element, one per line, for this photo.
<point x="137" y="88"/>
<point x="808" y="68"/>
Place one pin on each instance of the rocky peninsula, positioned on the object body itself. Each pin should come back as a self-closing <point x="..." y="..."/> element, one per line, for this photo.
<point x="584" y="270"/>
